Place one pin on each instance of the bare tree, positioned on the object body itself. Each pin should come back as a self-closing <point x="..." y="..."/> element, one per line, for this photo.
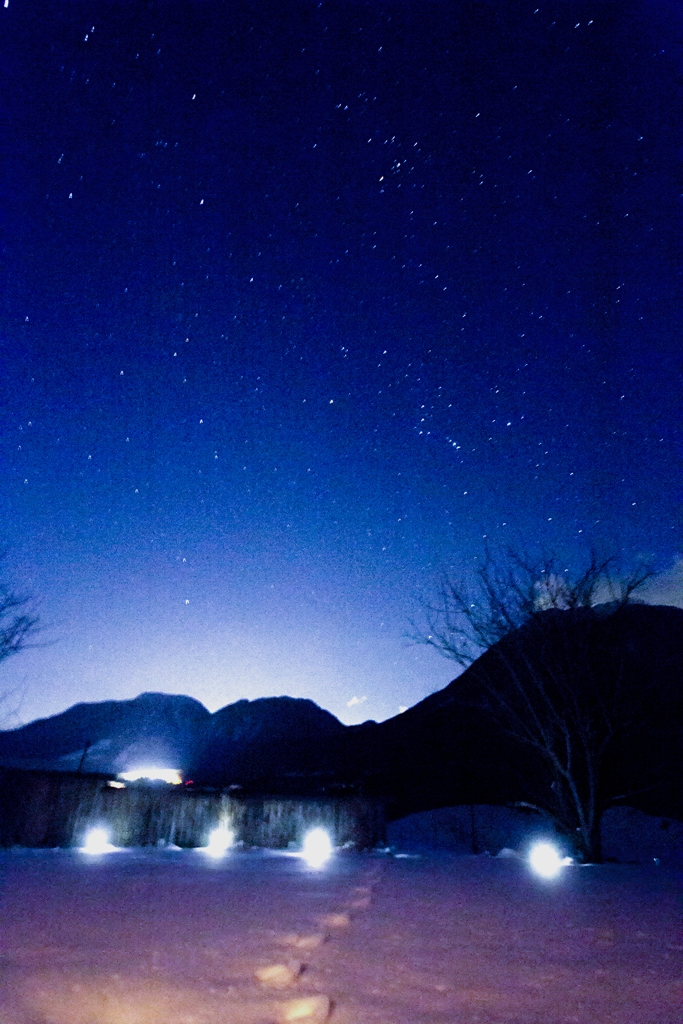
<point x="18" y="624"/>
<point x="543" y="665"/>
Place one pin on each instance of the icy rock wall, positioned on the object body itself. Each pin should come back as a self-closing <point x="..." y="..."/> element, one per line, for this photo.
<point x="43" y="809"/>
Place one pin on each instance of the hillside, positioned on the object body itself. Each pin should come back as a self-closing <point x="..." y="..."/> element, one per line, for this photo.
<point x="450" y="743"/>
<point x="111" y="736"/>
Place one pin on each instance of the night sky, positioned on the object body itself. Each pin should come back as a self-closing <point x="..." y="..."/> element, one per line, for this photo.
<point x="301" y="302"/>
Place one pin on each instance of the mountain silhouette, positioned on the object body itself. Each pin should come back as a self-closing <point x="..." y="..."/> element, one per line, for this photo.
<point x="451" y="743"/>
<point x="266" y="741"/>
<point x="446" y="749"/>
<point x="111" y="736"/>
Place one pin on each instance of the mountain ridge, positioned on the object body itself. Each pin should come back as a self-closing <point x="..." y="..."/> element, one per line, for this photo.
<point x="440" y="751"/>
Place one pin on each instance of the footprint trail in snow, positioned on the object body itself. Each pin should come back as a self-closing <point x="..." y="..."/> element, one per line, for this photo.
<point x="168" y="937"/>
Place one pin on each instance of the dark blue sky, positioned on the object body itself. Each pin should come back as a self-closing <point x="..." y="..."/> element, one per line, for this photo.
<point x="302" y="301"/>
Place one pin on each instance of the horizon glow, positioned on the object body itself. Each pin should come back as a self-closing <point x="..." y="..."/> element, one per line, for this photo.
<point x="170" y="775"/>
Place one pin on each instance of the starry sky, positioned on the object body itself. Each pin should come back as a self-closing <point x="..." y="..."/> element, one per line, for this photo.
<point x="303" y="302"/>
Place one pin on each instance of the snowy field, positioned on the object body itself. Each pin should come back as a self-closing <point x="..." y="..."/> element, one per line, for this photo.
<point x="177" y="937"/>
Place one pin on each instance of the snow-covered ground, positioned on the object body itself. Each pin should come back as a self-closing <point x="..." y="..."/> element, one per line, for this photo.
<point x="629" y="836"/>
<point x="177" y="937"/>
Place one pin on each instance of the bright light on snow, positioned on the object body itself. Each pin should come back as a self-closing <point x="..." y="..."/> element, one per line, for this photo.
<point x="170" y="775"/>
<point x="97" y="841"/>
<point x="546" y="861"/>
<point x="220" y="840"/>
<point x="317" y="847"/>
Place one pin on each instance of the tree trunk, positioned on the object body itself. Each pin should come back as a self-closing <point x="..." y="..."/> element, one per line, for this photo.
<point x="591" y="842"/>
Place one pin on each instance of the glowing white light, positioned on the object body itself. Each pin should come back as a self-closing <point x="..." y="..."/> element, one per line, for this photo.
<point x="546" y="861"/>
<point x="170" y="775"/>
<point x="317" y="847"/>
<point x="219" y="841"/>
<point x="97" y="841"/>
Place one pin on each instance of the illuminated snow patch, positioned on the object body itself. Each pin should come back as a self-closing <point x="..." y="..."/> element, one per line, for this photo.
<point x="170" y="775"/>
<point x="97" y="841"/>
<point x="317" y="848"/>
<point x="220" y="840"/>
<point x="545" y="860"/>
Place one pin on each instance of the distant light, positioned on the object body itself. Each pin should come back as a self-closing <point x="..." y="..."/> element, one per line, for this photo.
<point x="317" y="848"/>
<point x="116" y="785"/>
<point x="97" y="841"/>
<point x="546" y="861"/>
<point x="170" y="775"/>
<point x="220" y="840"/>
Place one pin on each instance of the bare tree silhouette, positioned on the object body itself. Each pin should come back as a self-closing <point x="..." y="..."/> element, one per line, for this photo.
<point x="535" y="638"/>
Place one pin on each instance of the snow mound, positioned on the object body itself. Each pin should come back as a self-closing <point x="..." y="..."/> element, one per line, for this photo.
<point x="629" y="835"/>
